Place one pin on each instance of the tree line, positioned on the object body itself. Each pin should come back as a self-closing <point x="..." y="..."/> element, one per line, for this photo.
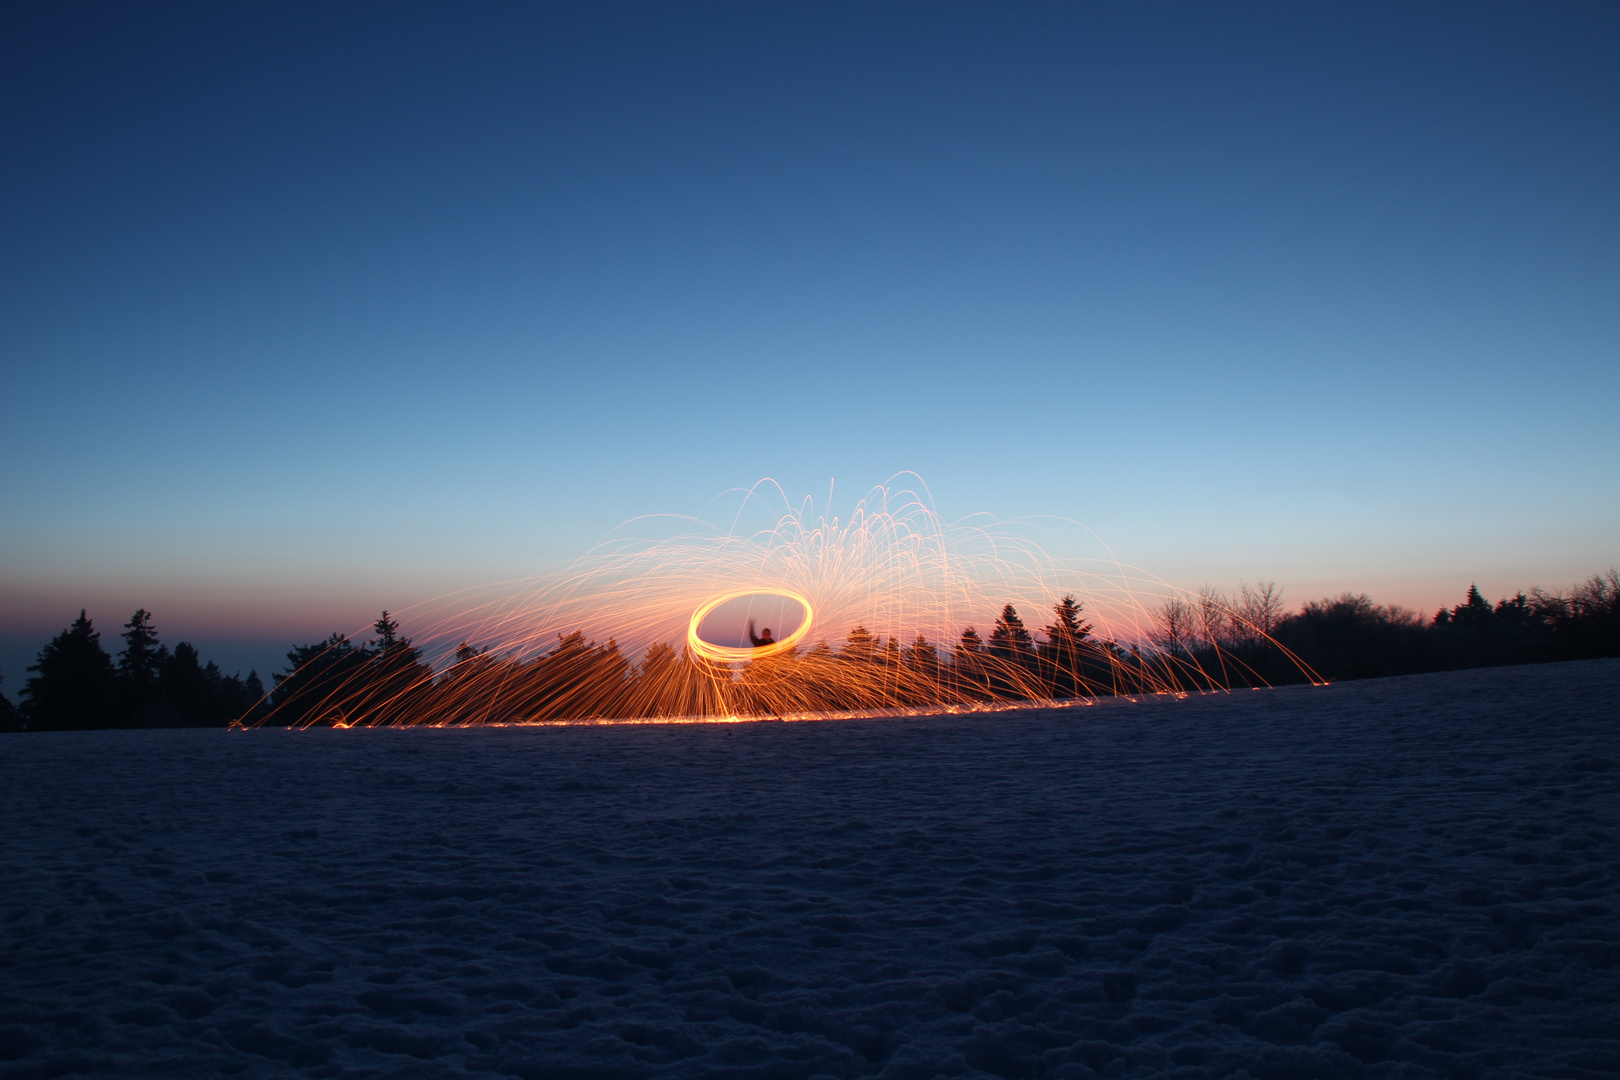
<point x="1352" y="637"/>
<point x="77" y="684"/>
<point x="386" y="680"/>
<point x="1211" y="641"/>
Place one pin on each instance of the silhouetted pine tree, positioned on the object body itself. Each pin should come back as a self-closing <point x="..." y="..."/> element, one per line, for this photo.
<point x="76" y="685"/>
<point x="140" y="666"/>
<point x="860" y="646"/>
<point x="194" y="694"/>
<point x="657" y="681"/>
<point x="922" y="658"/>
<point x="611" y="678"/>
<point x="246" y="698"/>
<point x="1062" y="651"/>
<point x="185" y="685"/>
<point x="1012" y="652"/>
<point x="1474" y="611"/>
<point x="575" y="680"/>
<point x="319" y="685"/>
<point x="919" y="676"/>
<point x="894" y="668"/>
<point x="1516" y="613"/>
<point x="1009" y="641"/>
<point x="967" y="664"/>
<point x="396" y="680"/>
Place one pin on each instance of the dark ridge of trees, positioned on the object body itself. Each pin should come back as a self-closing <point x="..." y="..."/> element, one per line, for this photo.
<point x="1210" y="641"/>
<point x="336" y="682"/>
<point x="382" y="681"/>
<point x="77" y="685"/>
<point x="1246" y="641"/>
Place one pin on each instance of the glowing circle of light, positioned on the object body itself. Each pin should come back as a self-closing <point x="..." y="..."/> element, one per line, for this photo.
<point x="727" y="654"/>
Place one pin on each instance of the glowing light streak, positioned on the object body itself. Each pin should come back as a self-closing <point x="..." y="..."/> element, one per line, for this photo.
<point x="726" y="654"/>
<point x="887" y="589"/>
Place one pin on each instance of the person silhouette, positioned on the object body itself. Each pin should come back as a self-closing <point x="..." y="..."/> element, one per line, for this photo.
<point x="762" y="639"/>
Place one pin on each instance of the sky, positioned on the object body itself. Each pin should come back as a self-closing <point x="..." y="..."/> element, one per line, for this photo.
<point x="314" y="309"/>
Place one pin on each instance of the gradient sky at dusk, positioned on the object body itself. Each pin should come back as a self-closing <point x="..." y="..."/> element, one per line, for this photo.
<point x="315" y="309"/>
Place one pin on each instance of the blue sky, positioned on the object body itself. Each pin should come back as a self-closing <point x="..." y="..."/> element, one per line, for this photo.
<point x="314" y="309"/>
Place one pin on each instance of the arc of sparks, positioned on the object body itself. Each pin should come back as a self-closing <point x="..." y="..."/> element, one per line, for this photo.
<point x="726" y="654"/>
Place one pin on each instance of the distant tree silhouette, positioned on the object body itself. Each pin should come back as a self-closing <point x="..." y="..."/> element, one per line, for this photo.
<point x="194" y="694"/>
<point x="76" y="685"/>
<point x="1009" y="641"/>
<point x="1516" y="612"/>
<point x="576" y="680"/>
<point x="140" y="665"/>
<point x="387" y="630"/>
<point x="1259" y="610"/>
<point x="1474" y="611"/>
<point x="860" y="646"/>
<point x="319" y="684"/>
<point x="336" y="682"/>
<point x="968" y="665"/>
<point x="671" y="682"/>
<point x="1585" y="624"/>
<point x="1012" y="658"/>
<point x="969" y="645"/>
<point x="1062" y="651"/>
<point x="914" y="672"/>
<point x="469" y="688"/>
<point x="1354" y="638"/>
<point x="252" y="693"/>
<point x="185" y="685"/>
<point x="10" y="718"/>
<point x="923" y="659"/>
<point x="1174" y="627"/>
<point x="395" y="680"/>
<point x="655" y="676"/>
<point x="1214" y="642"/>
<point x="612" y="672"/>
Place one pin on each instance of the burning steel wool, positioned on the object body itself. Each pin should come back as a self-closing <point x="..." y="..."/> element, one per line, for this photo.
<point x="784" y="611"/>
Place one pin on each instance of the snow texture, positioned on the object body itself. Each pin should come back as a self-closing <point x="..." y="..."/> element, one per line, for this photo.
<point x="1405" y="877"/>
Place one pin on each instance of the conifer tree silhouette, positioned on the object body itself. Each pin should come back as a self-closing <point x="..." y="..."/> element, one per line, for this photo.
<point x="1062" y="651"/>
<point x="396" y="680"/>
<point x="922" y="658"/>
<point x="860" y="646"/>
<point x="1475" y="610"/>
<point x="76" y="685"/>
<point x="1009" y="641"/>
<point x="185" y="684"/>
<point x="141" y="663"/>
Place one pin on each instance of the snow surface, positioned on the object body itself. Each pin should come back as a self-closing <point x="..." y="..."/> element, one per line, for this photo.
<point x="1406" y="877"/>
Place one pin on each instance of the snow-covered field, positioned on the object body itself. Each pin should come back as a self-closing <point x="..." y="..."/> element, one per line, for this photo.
<point x="1408" y="877"/>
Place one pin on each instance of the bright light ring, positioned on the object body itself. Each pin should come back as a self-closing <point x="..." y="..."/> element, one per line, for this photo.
<point x="726" y="654"/>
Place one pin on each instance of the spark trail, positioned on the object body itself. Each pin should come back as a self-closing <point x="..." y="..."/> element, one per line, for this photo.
<point x="894" y="597"/>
